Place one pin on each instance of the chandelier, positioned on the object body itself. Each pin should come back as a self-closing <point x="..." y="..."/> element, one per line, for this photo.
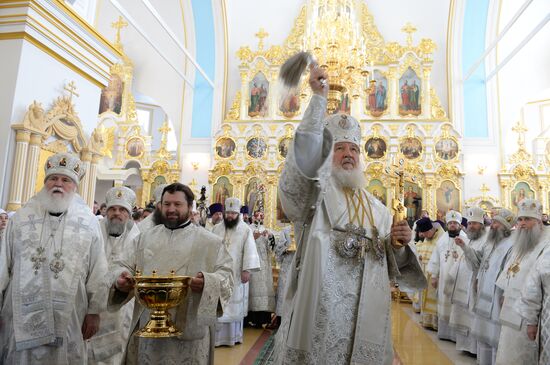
<point x="334" y="35"/>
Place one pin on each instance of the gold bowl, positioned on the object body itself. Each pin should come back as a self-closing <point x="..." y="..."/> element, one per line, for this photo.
<point x="159" y="294"/>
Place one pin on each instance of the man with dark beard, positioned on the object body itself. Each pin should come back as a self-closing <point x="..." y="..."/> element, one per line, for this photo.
<point x="188" y="250"/>
<point x="463" y="275"/>
<point x="514" y="346"/>
<point x="119" y="231"/>
<point x="444" y="257"/>
<point x="237" y="237"/>
<point x="488" y="261"/>
<point x="52" y="273"/>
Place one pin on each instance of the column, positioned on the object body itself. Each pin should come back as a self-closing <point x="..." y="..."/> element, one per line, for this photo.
<point x="273" y="97"/>
<point x="92" y="179"/>
<point x="32" y="166"/>
<point x="85" y="157"/>
<point x="22" y="139"/>
<point x="244" y="94"/>
<point x="393" y="92"/>
<point x="426" y="97"/>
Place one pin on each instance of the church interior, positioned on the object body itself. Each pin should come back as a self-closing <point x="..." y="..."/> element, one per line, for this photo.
<point x="151" y="92"/>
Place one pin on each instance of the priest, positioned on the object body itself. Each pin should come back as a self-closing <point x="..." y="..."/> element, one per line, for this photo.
<point x="446" y="255"/>
<point x="238" y="239"/>
<point x="464" y="276"/>
<point x="338" y="294"/>
<point x="284" y="253"/>
<point x="118" y="231"/>
<point x="430" y="232"/>
<point x="189" y="250"/>
<point x="52" y="273"/>
<point x="534" y="305"/>
<point x="3" y="223"/>
<point x="514" y="346"/>
<point x="216" y="216"/>
<point x="489" y="261"/>
<point x="261" y="299"/>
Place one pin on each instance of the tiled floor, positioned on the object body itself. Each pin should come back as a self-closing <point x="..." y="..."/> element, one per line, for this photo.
<point x="414" y="344"/>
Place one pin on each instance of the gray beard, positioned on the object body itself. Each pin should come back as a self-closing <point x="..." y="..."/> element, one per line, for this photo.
<point x="474" y="235"/>
<point x="526" y="240"/>
<point x="498" y="234"/>
<point x="54" y="204"/>
<point x="115" y="228"/>
<point x="353" y="179"/>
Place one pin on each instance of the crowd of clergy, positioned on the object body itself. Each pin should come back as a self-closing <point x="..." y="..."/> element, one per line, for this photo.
<point x="489" y="276"/>
<point x="67" y="276"/>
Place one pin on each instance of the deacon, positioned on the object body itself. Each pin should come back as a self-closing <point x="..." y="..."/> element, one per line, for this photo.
<point x="534" y="305"/>
<point x="489" y="261"/>
<point x="261" y="299"/>
<point x="464" y="275"/>
<point x="514" y="346"/>
<point x="216" y="216"/>
<point x="176" y="244"/>
<point x="446" y="255"/>
<point x="153" y="219"/>
<point x="338" y="294"/>
<point x="52" y="273"/>
<point x="430" y="232"/>
<point x="284" y="253"/>
<point x="238" y="239"/>
<point x="119" y="232"/>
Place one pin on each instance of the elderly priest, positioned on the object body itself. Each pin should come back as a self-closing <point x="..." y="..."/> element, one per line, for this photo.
<point x="52" y="273"/>
<point x="189" y="250"/>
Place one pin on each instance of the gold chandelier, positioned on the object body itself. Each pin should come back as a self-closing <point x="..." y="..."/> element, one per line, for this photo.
<point x="334" y="35"/>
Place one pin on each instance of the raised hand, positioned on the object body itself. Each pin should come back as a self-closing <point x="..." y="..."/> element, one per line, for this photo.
<point x="318" y="80"/>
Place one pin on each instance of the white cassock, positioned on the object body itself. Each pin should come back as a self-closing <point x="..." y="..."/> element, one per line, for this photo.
<point x="445" y="255"/>
<point x="187" y="250"/>
<point x="514" y="347"/>
<point x="485" y="328"/>
<point x="337" y="309"/>
<point x="463" y="297"/>
<point x="42" y="315"/>
<point x="108" y="344"/>
<point x="534" y="303"/>
<point x="284" y="258"/>
<point x="261" y="296"/>
<point x="147" y="223"/>
<point x="242" y="248"/>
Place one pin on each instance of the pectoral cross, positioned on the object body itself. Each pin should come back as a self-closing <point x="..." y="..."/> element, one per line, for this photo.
<point x="38" y="259"/>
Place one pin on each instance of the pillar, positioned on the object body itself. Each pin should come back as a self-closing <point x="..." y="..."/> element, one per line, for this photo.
<point x="22" y="139"/>
<point x="92" y="179"/>
<point x="32" y="167"/>
<point x="86" y="158"/>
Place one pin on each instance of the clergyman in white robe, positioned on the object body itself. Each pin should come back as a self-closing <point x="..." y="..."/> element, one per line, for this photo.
<point x="534" y="304"/>
<point x="242" y="248"/>
<point x="187" y="249"/>
<point x="337" y="305"/>
<point x="284" y="257"/>
<point x="446" y="255"/>
<point x="43" y="312"/>
<point x="514" y="346"/>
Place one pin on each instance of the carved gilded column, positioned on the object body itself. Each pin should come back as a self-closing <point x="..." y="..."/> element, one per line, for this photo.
<point x="33" y="156"/>
<point x="92" y="179"/>
<point x="83" y="188"/>
<point x="22" y="139"/>
<point x="426" y="97"/>
<point x="393" y="92"/>
<point x="244" y="94"/>
<point x="273" y="102"/>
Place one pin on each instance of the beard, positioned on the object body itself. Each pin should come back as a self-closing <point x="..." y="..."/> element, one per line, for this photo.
<point x="231" y="223"/>
<point x="53" y="202"/>
<point x="474" y="234"/>
<point x="117" y="227"/>
<point x="157" y="216"/>
<point x="498" y="234"/>
<point x="526" y="239"/>
<point x="454" y="233"/>
<point x="174" y="220"/>
<point x="353" y="179"/>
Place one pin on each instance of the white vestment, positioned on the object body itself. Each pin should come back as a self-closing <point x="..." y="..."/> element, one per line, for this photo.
<point x="514" y="346"/>
<point x="108" y="344"/>
<point x="284" y="258"/>
<point x="485" y="328"/>
<point x="445" y="255"/>
<point x="187" y="250"/>
<point x="242" y="248"/>
<point x="147" y="223"/>
<point x="337" y="309"/>
<point x="261" y="296"/>
<point x="463" y="297"/>
<point x="42" y="315"/>
<point x="534" y="303"/>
